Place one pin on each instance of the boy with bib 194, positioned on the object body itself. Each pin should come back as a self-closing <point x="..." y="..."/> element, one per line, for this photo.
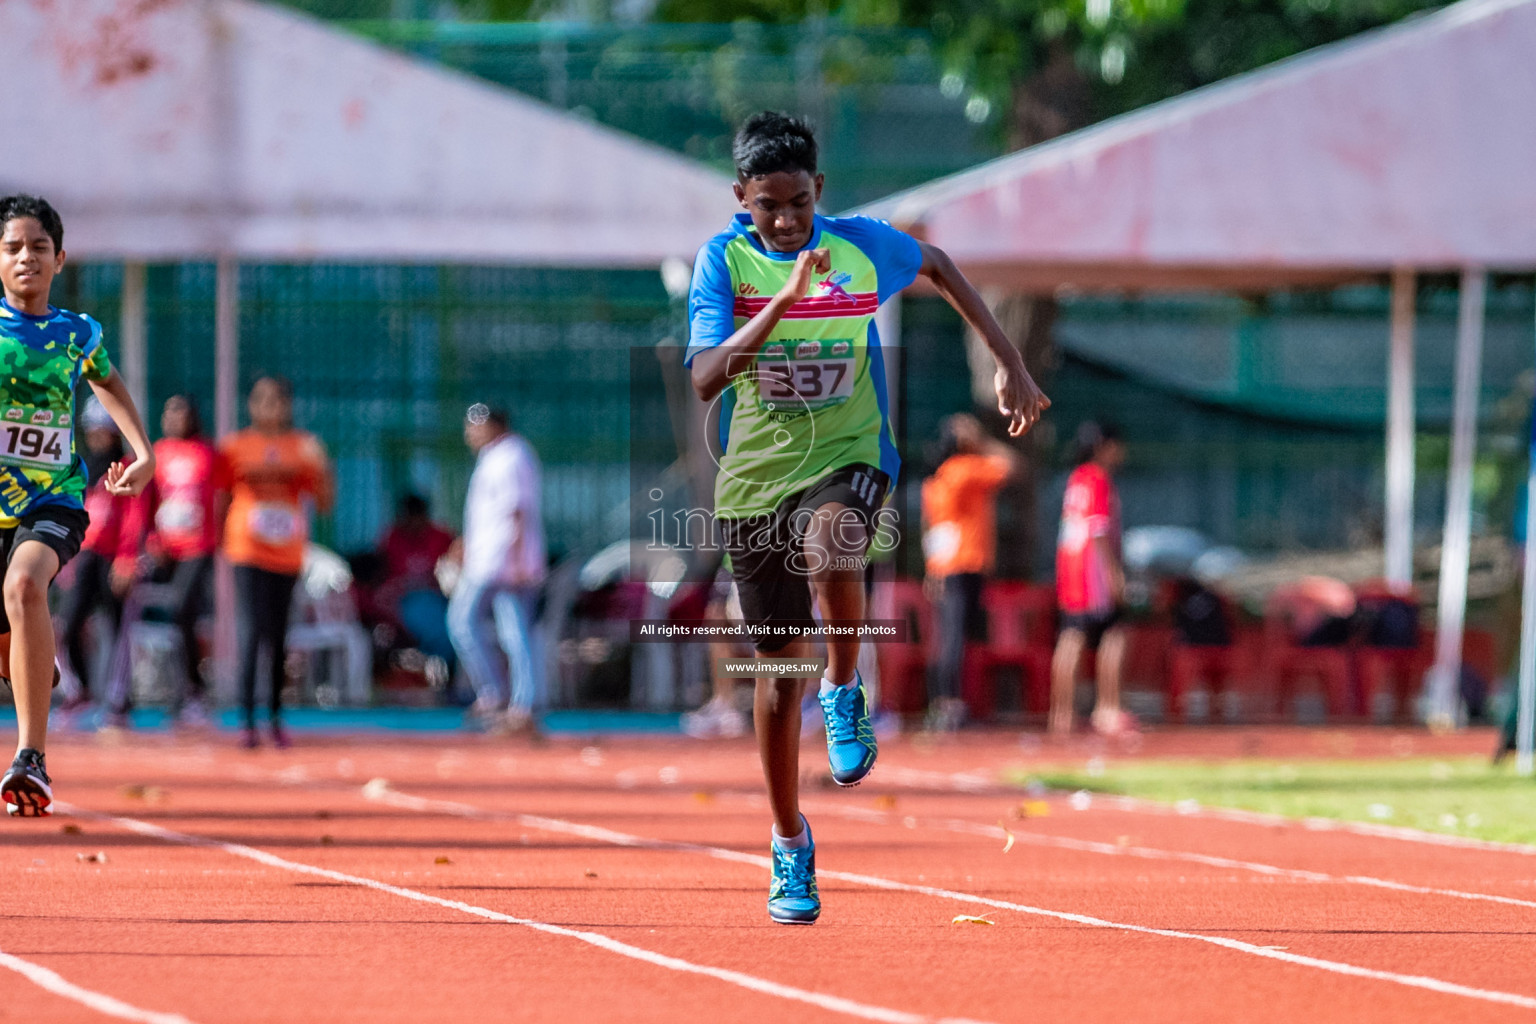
<point x="45" y="353"/>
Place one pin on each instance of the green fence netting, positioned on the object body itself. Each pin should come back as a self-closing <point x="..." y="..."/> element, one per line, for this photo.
<point x="886" y="116"/>
<point x="385" y="359"/>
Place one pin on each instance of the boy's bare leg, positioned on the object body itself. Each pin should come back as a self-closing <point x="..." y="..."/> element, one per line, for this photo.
<point x="776" y="718"/>
<point x="1069" y="651"/>
<point x="835" y="542"/>
<point x="1111" y="667"/>
<point x="32" y="568"/>
<point x="722" y="686"/>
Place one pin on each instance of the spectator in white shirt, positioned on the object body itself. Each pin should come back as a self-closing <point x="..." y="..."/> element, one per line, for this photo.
<point x="490" y="615"/>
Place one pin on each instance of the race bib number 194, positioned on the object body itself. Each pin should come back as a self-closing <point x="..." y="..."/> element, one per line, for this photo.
<point x="806" y="374"/>
<point x="35" y="438"/>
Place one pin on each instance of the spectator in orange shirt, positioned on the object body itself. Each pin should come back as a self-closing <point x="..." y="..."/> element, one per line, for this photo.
<point x="960" y="544"/>
<point x="275" y="471"/>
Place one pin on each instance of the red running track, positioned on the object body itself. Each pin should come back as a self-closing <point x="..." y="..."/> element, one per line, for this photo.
<point x="624" y="880"/>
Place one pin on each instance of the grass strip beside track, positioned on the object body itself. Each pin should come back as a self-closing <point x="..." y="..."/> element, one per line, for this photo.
<point x="1465" y="797"/>
<point x="1151" y="853"/>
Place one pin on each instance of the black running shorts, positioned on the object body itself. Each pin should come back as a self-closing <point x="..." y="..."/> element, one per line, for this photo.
<point x="1093" y="625"/>
<point x="768" y="563"/>
<point x="61" y="527"/>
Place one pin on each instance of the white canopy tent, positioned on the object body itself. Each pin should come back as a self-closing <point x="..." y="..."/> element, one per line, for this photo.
<point x="231" y="130"/>
<point x="1407" y="149"/>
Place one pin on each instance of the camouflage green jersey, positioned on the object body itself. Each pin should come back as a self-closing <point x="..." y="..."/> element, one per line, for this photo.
<point x="42" y="361"/>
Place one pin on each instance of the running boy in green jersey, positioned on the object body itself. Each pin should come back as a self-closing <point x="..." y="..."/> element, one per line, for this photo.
<point x="781" y="315"/>
<point x="45" y="353"/>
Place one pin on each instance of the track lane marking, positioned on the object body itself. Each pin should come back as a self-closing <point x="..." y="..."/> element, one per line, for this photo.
<point x="835" y="1004"/>
<point x="405" y="801"/>
<point x="974" y="781"/>
<point x="1138" y="805"/>
<point x="978" y="781"/>
<point x="52" y="981"/>
<point x="963" y="826"/>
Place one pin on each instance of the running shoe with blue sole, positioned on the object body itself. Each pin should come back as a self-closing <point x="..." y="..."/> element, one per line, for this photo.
<point x="793" y="897"/>
<point x="851" y="747"/>
<point x="25" y="788"/>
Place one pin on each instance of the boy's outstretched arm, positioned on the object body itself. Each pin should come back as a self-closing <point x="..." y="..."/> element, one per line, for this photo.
<point x="127" y="480"/>
<point x="1018" y="397"/>
<point x="714" y="367"/>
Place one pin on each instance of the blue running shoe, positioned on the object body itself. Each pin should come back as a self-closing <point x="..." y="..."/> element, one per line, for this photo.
<point x="851" y="747"/>
<point x="792" y="898"/>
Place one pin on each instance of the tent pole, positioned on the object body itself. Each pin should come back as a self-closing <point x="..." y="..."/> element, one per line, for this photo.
<point x="1525" y="722"/>
<point x="133" y="334"/>
<point x="1400" y="432"/>
<point x="226" y="346"/>
<point x="226" y="387"/>
<point x="1455" y="551"/>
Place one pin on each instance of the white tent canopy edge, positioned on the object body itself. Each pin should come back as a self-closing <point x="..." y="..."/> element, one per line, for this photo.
<point x="231" y="130"/>
<point x="1406" y="149"/>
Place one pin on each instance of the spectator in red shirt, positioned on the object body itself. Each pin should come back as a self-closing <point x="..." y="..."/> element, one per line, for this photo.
<point x="1090" y="581"/>
<point x="412" y="545"/>
<point x="189" y="475"/>
<point x="108" y="559"/>
<point x="410" y="594"/>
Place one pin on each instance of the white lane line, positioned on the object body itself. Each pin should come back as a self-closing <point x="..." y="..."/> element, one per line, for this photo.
<point x="979" y="781"/>
<point x="1154" y="853"/>
<point x="43" y="978"/>
<point x="836" y="1004"/>
<point x="1137" y="805"/>
<point x="384" y="794"/>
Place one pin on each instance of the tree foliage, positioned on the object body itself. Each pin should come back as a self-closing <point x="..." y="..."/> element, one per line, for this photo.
<point x="1052" y="65"/>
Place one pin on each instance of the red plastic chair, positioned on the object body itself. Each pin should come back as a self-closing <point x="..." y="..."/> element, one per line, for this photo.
<point x="1398" y="670"/>
<point x="1215" y="666"/>
<point x="1021" y="634"/>
<point x="904" y="665"/>
<point x="1287" y="663"/>
<point x="1148" y="648"/>
<point x="1186" y="665"/>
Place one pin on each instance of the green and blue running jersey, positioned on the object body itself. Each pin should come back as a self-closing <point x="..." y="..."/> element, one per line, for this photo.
<point x="42" y="361"/>
<point x="815" y="400"/>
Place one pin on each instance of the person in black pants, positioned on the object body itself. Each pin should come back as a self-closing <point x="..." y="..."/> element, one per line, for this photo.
<point x="262" y="602"/>
<point x="91" y="590"/>
<point x="188" y="478"/>
<point x="959" y="548"/>
<point x="181" y="596"/>
<point x="187" y="584"/>
<point x="105" y="567"/>
<point x="274" y="473"/>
